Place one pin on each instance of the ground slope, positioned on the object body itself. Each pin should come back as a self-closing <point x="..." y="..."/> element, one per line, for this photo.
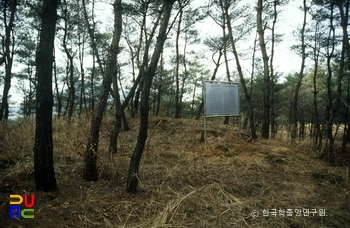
<point x="232" y="183"/>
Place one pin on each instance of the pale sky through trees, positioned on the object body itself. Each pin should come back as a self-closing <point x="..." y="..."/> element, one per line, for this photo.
<point x="286" y="61"/>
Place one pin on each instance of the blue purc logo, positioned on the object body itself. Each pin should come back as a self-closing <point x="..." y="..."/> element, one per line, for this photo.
<point x="16" y="211"/>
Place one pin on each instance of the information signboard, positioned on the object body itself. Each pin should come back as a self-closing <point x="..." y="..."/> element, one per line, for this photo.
<point x="221" y="99"/>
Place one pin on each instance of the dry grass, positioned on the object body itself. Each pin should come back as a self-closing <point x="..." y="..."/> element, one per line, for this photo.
<point x="182" y="184"/>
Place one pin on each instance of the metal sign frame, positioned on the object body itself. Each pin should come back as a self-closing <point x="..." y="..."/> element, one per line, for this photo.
<point x="228" y="111"/>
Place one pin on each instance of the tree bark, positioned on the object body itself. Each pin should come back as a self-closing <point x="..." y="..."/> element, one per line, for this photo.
<point x="70" y="65"/>
<point x="160" y="86"/>
<point x="90" y="169"/>
<point x="341" y="73"/>
<point x="294" y="114"/>
<point x="8" y="53"/>
<point x="58" y="96"/>
<point x="133" y="173"/>
<point x="266" y="116"/>
<point x="227" y="118"/>
<point x="328" y="112"/>
<point x="81" y="44"/>
<point x="253" y="135"/>
<point x="317" y="136"/>
<point x="344" y="18"/>
<point x="117" y="117"/>
<point x="177" y="66"/>
<point x="272" y="73"/>
<point x="43" y="149"/>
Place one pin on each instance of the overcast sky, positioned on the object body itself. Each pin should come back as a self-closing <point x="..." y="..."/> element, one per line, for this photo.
<point x="289" y="19"/>
<point x="286" y="61"/>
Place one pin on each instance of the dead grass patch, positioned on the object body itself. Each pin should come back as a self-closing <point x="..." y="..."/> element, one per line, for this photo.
<point x="182" y="184"/>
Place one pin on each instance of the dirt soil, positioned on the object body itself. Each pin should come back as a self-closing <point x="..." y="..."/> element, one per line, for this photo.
<point x="232" y="183"/>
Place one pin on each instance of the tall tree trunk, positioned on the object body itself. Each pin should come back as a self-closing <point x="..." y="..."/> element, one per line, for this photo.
<point x="82" y="97"/>
<point x="160" y="86"/>
<point x="346" y="134"/>
<point x="71" y="89"/>
<point x="58" y="96"/>
<point x="45" y="179"/>
<point x="70" y="67"/>
<point x="113" y="143"/>
<point x="90" y="169"/>
<point x="253" y="135"/>
<point x="133" y="173"/>
<point x="266" y="116"/>
<point x="177" y="66"/>
<point x="328" y="116"/>
<point x="294" y="115"/>
<point x="92" y="84"/>
<point x="137" y="87"/>
<point x="344" y="18"/>
<point x="227" y="118"/>
<point x="125" y="121"/>
<point x="317" y="136"/>
<point x="341" y="73"/>
<point x="272" y="73"/>
<point x="8" y="53"/>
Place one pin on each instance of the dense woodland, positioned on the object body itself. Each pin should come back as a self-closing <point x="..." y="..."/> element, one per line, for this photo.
<point x="139" y="58"/>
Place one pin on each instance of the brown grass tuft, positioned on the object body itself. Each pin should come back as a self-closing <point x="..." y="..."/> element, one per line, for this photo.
<point x="182" y="184"/>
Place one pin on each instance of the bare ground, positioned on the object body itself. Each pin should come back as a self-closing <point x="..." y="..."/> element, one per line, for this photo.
<point x="232" y="183"/>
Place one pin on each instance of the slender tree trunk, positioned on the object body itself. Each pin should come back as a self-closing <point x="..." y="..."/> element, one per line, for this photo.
<point x="137" y="99"/>
<point x="253" y="135"/>
<point x="124" y="120"/>
<point x="160" y="86"/>
<point x="217" y="64"/>
<point x="133" y="173"/>
<point x="92" y="83"/>
<point x="82" y="97"/>
<point x="294" y="116"/>
<point x="328" y="116"/>
<point x="177" y="66"/>
<point x="70" y="67"/>
<point x="117" y="118"/>
<point x="317" y="136"/>
<point x="170" y="103"/>
<point x="45" y="179"/>
<point x="346" y="134"/>
<point x="71" y="89"/>
<point x="58" y="96"/>
<point x="272" y="73"/>
<point x="227" y="118"/>
<point x="184" y="77"/>
<point x="266" y="116"/>
<point x="344" y="18"/>
<point x="90" y="169"/>
<point x="8" y="53"/>
<point x="340" y="77"/>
